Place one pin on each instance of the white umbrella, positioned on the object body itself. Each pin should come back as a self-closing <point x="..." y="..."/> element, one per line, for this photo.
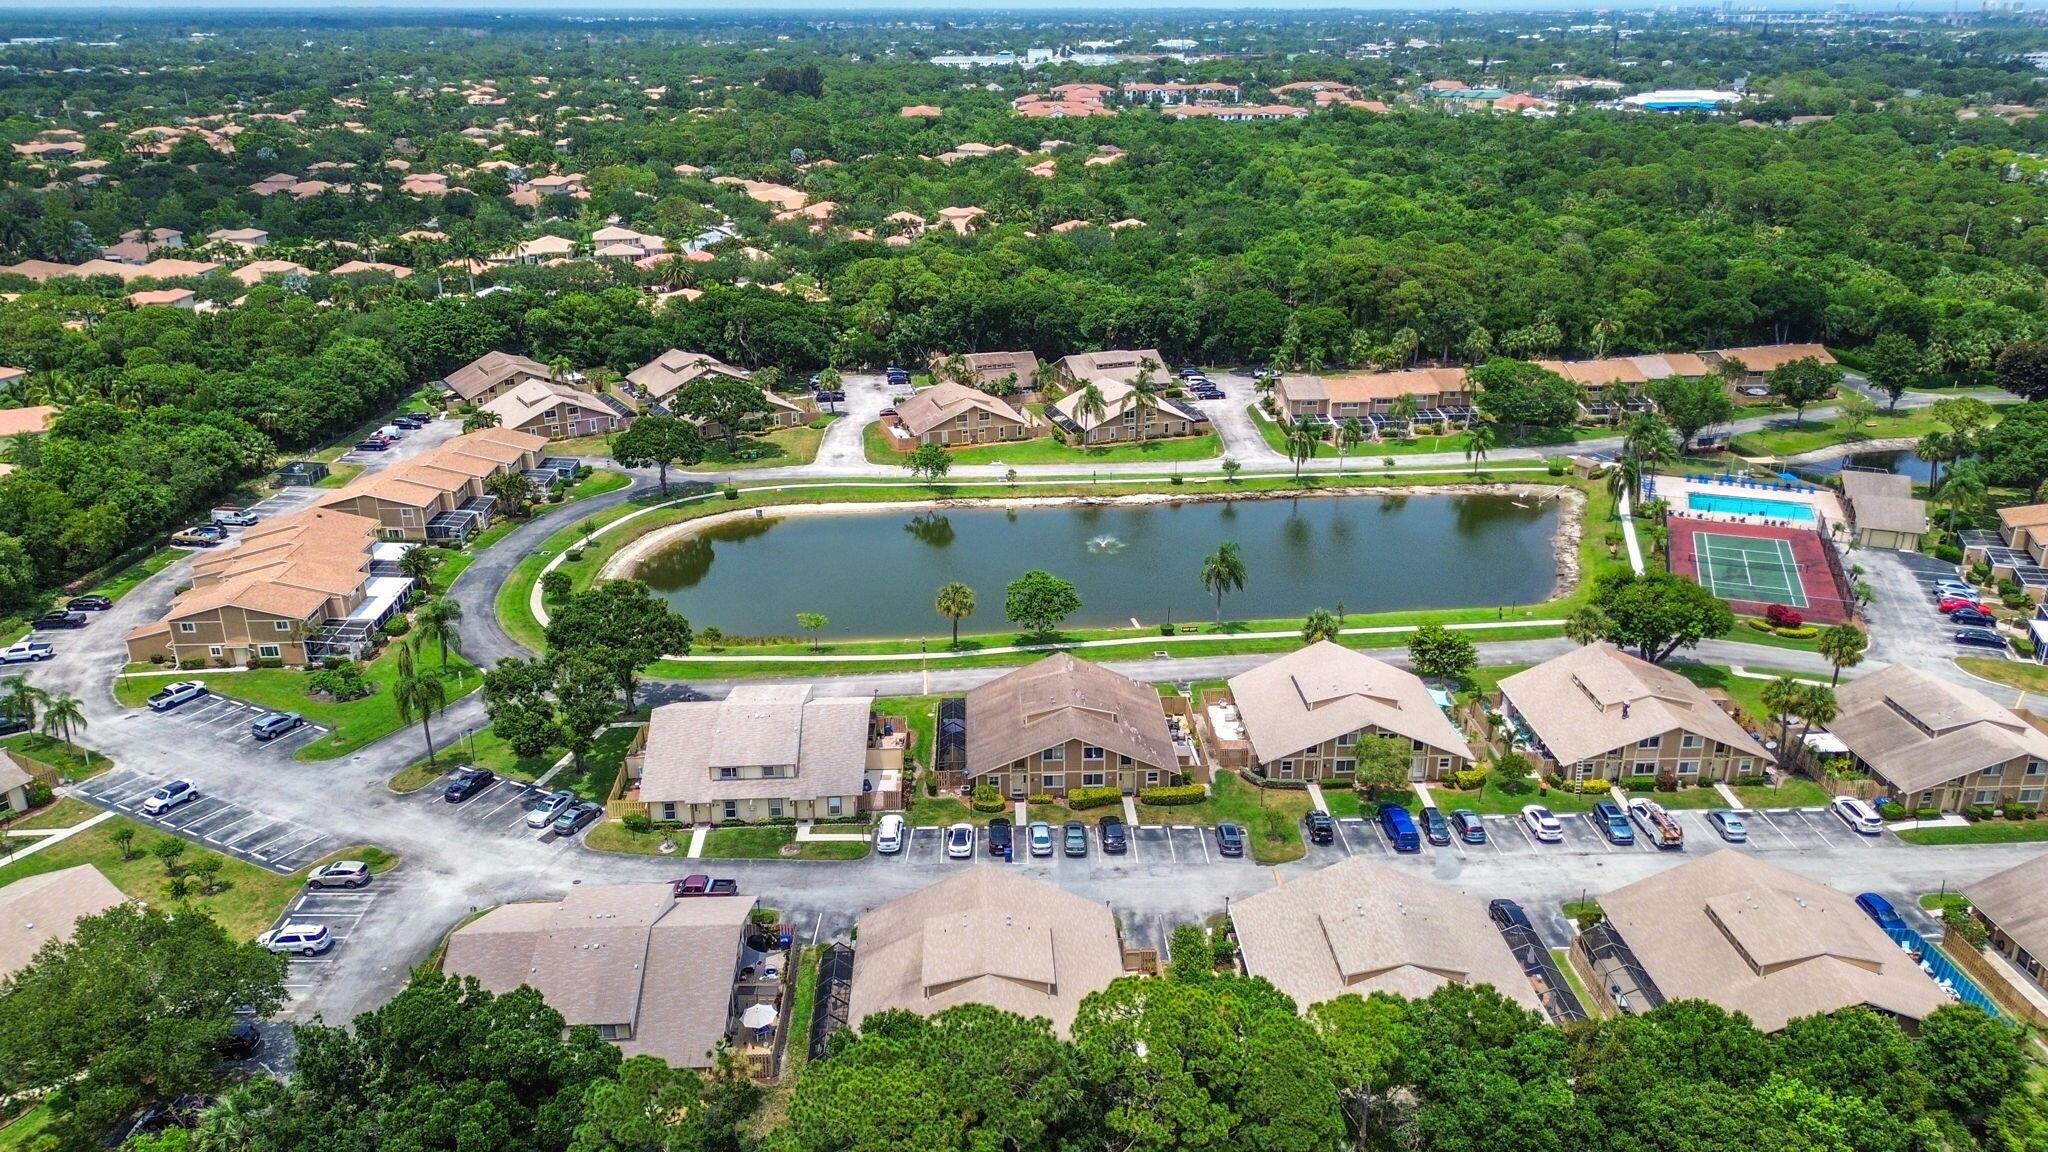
<point x="758" y="1015"/>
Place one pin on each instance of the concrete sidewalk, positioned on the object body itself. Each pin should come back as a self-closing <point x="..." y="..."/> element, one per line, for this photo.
<point x="58" y="836"/>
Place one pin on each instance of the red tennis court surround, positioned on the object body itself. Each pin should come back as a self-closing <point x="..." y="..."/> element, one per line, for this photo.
<point x="1814" y="565"/>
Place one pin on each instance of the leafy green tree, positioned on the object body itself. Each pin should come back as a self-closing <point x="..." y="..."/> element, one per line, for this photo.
<point x="1657" y="613"/>
<point x="1038" y="601"/>
<point x="900" y="1081"/>
<point x="419" y="562"/>
<point x="1971" y="1060"/>
<point x="1224" y="571"/>
<point x="584" y="703"/>
<point x="1190" y="959"/>
<point x="622" y="627"/>
<point x="652" y="1107"/>
<point x="1856" y="1052"/>
<point x="1802" y="382"/>
<point x="1219" y="1063"/>
<point x="132" y="1009"/>
<point x="479" y="418"/>
<point x="1894" y="364"/>
<point x="1365" y="1038"/>
<point x="1692" y="405"/>
<point x="1380" y="763"/>
<point x="1438" y="653"/>
<point x="812" y="622"/>
<point x="1318" y="626"/>
<point x="2022" y="369"/>
<point x="955" y="602"/>
<point x="930" y="462"/>
<point x="660" y="442"/>
<point x="1523" y="394"/>
<point x="734" y="405"/>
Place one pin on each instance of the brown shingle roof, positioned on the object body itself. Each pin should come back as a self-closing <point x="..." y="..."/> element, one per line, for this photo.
<point x="37" y="909"/>
<point x="2017" y="901"/>
<point x="492" y="368"/>
<point x="1059" y="699"/>
<point x="1919" y="732"/>
<point x="663" y="375"/>
<point x="945" y="401"/>
<point x="1595" y="699"/>
<point x="1325" y="691"/>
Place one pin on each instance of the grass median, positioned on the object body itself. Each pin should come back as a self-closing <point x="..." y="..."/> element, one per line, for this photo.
<point x="1270" y="817"/>
<point x="1047" y="450"/>
<point x="247" y="901"/>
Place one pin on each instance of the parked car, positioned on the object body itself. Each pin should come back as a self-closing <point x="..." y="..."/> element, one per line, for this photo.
<point x="960" y="841"/>
<point x="468" y="782"/>
<point x="171" y="695"/>
<point x="1229" y="839"/>
<point x="89" y="603"/>
<point x="1039" y="838"/>
<point x="1400" y="828"/>
<point x="373" y="444"/>
<point x="1110" y="829"/>
<point x="229" y="516"/>
<point x="548" y="807"/>
<point x="11" y="725"/>
<point x="26" y="651"/>
<point x="889" y="835"/>
<point x="1470" y="828"/>
<point x="1189" y="371"/>
<point x="699" y="884"/>
<point x="410" y="421"/>
<point x="1435" y="826"/>
<point x="1880" y="909"/>
<point x="299" y="938"/>
<point x="1075" y="838"/>
<point x="1660" y="826"/>
<point x="1542" y="824"/>
<point x="571" y="820"/>
<point x="244" y="1041"/>
<point x="999" y="836"/>
<point x="1980" y="638"/>
<point x="59" y="618"/>
<point x="170" y="798"/>
<point x="1319" y="827"/>
<point x="1859" y="816"/>
<point x="1951" y="603"/>
<point x="1607" y="815"/>
<point x="204" y="536"/>
<point x="1954" y="588"/>
<point x="1508" y="914"/>
<point x="271" y="725"/>
<point x="1728" y="823"/>
<point x="340" y="874"/>
<point x="1973" y="618"/>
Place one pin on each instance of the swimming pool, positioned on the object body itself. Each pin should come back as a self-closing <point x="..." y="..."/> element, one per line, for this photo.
<point x="1748" y="506"/>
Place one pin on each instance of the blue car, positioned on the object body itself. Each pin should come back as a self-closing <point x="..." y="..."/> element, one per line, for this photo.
<point x="1400" y="828"/>
<point x="1880" y="909"/>
<point x="1613" y="823"/>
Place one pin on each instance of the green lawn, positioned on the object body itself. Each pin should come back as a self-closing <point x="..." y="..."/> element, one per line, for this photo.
<point x="67" y="812"/>
<point x="354" y="723"/>
<point x="781" y="448"/>
<point x="247" y="905"/>
<point x="1795" y="792"/>
<point x="1746" y="691"/>
<point x="766" y="843"/>
<point x="1982" y="832"/>
<point x="1789" y="440"/>
<point x="483" y="748"/>
<point x="1271" y="817"/>
<point x="1371" y="452"/>
<point x="601" y="765"/>
<point x="119" y="584"/>
<point x="2022" y="674"/>
<point x="20" y="1135"/>
<point x="1562" y="956"/>
<point x="1047" y="450"/>
<point x="71" y="762"/>
<point x="1491" y="798"/>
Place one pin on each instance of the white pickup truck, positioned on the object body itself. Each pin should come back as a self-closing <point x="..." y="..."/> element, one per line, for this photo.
<point x="26" y="651"/>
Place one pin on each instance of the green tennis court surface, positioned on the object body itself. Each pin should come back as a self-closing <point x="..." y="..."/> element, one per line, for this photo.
<point x="1746" y="568"/>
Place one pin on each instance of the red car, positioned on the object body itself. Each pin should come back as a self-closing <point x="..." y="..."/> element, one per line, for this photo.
<point x="1951" y="603"/>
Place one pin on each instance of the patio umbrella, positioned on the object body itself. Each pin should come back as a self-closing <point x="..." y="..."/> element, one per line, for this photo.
<point x="758" y="1015"/>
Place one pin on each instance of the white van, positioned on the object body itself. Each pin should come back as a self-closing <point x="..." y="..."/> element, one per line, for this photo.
<point x="889" y="836"/>
<point x="1860" y="817"/>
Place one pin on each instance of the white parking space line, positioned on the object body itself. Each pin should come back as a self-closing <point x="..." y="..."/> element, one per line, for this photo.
<point x="1599" y="837"/>
<point x="257" y="835"/>
<point x="1170" y="853"/>
<point x="220" y="834"/>
<point x="130" y="794"/>
<point x="1202" y="838"/>
<point x="1524" y="830"/>
<point x="294" y="850"/>
<point x="1806" y="818"/>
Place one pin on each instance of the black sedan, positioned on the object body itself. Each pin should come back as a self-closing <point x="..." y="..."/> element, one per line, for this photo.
<point x="1508" y="914"/>
<point x="468" y="782"/>
<point x="88" y="604"/>
<point x="1110" y="829"/>
<point x="59" y="618"/>
<point x="998" y="836"/>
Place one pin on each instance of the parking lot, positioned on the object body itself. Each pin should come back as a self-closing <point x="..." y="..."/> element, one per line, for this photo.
<point x="224" y="720"/>
<point x="499" y="810"/>
<point x="283" y="846"/>
<point x="347" y="915"/>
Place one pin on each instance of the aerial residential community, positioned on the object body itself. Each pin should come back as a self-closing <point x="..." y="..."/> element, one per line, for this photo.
<point x="1124" y="579"/>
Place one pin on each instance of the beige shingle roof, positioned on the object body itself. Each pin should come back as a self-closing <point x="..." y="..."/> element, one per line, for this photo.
<point x="1121" y="364"/>
<point x="985" y="936"/>
<point x="756" y="725"/>
<point x="1757" y="939"/>
<point x="1059" y="699"/>
<point x="492" y="368"/>
<point x="1918" y="732"/>
<point x="1884" y="501"/>
<point x="1363" y="927"/>
<point x="534" y="397"/>
<point x="677" y="367"/>
<point x="2017" y="901"/>
<point x="1595" y="699"/>
<point x="945" y="401"/>
<point x="1325" y="691"/>
<point x="618" y="954"/>
<point x="37" y="909"/>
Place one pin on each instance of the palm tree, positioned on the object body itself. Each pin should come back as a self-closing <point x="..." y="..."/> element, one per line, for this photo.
<point x="560" y="368"/>
<point x="1402" y="411"/>
<point x="419" y="563"/>
<point x="1320" y="625"/>
<point x="1843" y="645"/>
<point x="1588" y="625"/>
<point x="437" y="618"/>
<point x="477" y="418"/>
<point x="1648" y="439"/>
<point x="1936" y="448"/>
<point x="1781" y="697"/>
<point x="1621" y="480"/>
<point x="63" y="713"/>
<point x="1145" y="393"/>
<point x="513" y="490"/>
<point x="1964" y="493"/>
<point x="1816" y="705"/>
<point x="418" y="695"/>
<point x="1477" y="442"/>
<point x="955" y="602"/>
<point x="21" y="699"/>
<point x="1350" y="434"/>
<point x="1301" y="445"/>
<point x="1223" y="571"/>
<point x="1091" y="408"/>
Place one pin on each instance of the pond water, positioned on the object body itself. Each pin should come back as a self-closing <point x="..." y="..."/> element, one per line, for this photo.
<point x="1903" y="462"/>
<point x="874" y="574"/>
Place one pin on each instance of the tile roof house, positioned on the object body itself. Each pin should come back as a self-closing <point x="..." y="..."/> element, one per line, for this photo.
<point x="659" y="378"/>
<point x="1757" y="939"/>
<point x="256" y="271"/>
<point x="763" y="752"/>
<point x="1600" y="713"/>
<point x="1360" y="926"/>
<point x="556" y="411"/>
<point x="352" y="267"/>
<point x="492" y="375"/>
<point x="248" y="239"/>
<point x="1063" y="723"/>
<point x="1940" y="744"/>
<point x="949" y="414"/>
<point x="1882" y="510"/>
<point x="1303" y="712"/>
<point x="985" y="936"/>
<point x="35" y="910"/>
<point x="653" y="974"/>
<point x="961" y="219"/>
<point x="183" y="298"/>
<point x="33" y="418"/>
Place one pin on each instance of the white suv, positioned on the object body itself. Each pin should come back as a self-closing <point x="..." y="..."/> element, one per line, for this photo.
<point x="889" y="836"/>
<point x="1857" y="815"/>
<point x="301" y="939"/>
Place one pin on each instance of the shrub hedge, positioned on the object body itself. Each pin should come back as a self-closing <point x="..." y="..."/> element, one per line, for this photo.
<point x="1080" y="798"/>
<point x="1166" y="795"/>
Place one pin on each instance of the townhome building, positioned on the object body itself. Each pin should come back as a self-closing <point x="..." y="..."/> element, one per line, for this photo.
<point x="440" y="494"/>
<point x="765" y="752"/>
<point x="557" y="411"/>
<point x="677" y="368"/>
<point x="1123" y="417"/>
<point x="950" y="415"/>
<point x="1304" y="713"/>
<point x="1435" y="396"/>
<point x="493" y="374"/>
<point x="1936" y="744"/>
<point x="1063" y="723"/>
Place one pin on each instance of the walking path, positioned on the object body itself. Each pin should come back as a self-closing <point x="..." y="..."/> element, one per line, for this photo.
<point x="1315" y="797"/>
<point x="57" y="836"/>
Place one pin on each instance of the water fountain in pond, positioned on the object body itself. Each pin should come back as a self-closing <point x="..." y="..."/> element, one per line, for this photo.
<point x="1105" y="543"/>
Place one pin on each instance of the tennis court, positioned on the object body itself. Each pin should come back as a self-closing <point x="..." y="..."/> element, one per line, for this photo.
<point x="1746" y="568"/>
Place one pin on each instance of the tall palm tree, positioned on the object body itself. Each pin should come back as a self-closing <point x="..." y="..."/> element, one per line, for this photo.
<point x="63" y="713"/>
<point x="1648" y="439"/>
<point x="1145" y="394"/>
<point x="1843" y="645"/>
<point x="1782" y="698"/>
<point x="1402" y="411"/>
<point x="1224" y="571"/>
<point x="1816" y="705"/>
<point x="1937" y="447"/>
<point x="1964" y="493"/>
<point x="20" y="699"/>
<point x="437" y="619"/>
<point x="1350" y="434"/>
<point x="1318" y="626"/>
<point x="1478" y="442"/>
<point x="955" y="602"/>
<point x="477" y="418"/>
<point x="419" y="563"/>
<point x="1621" y="480"/>
<point x="1091" y="408"/>
<point x="1301" y="445"/>
<point x="418" y="695"/>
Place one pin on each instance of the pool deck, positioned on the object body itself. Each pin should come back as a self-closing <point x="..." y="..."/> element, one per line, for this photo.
<point x="1675" y="489"/>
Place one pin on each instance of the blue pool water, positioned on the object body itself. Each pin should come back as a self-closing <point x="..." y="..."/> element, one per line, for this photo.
<point x="1748" y="506"/>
